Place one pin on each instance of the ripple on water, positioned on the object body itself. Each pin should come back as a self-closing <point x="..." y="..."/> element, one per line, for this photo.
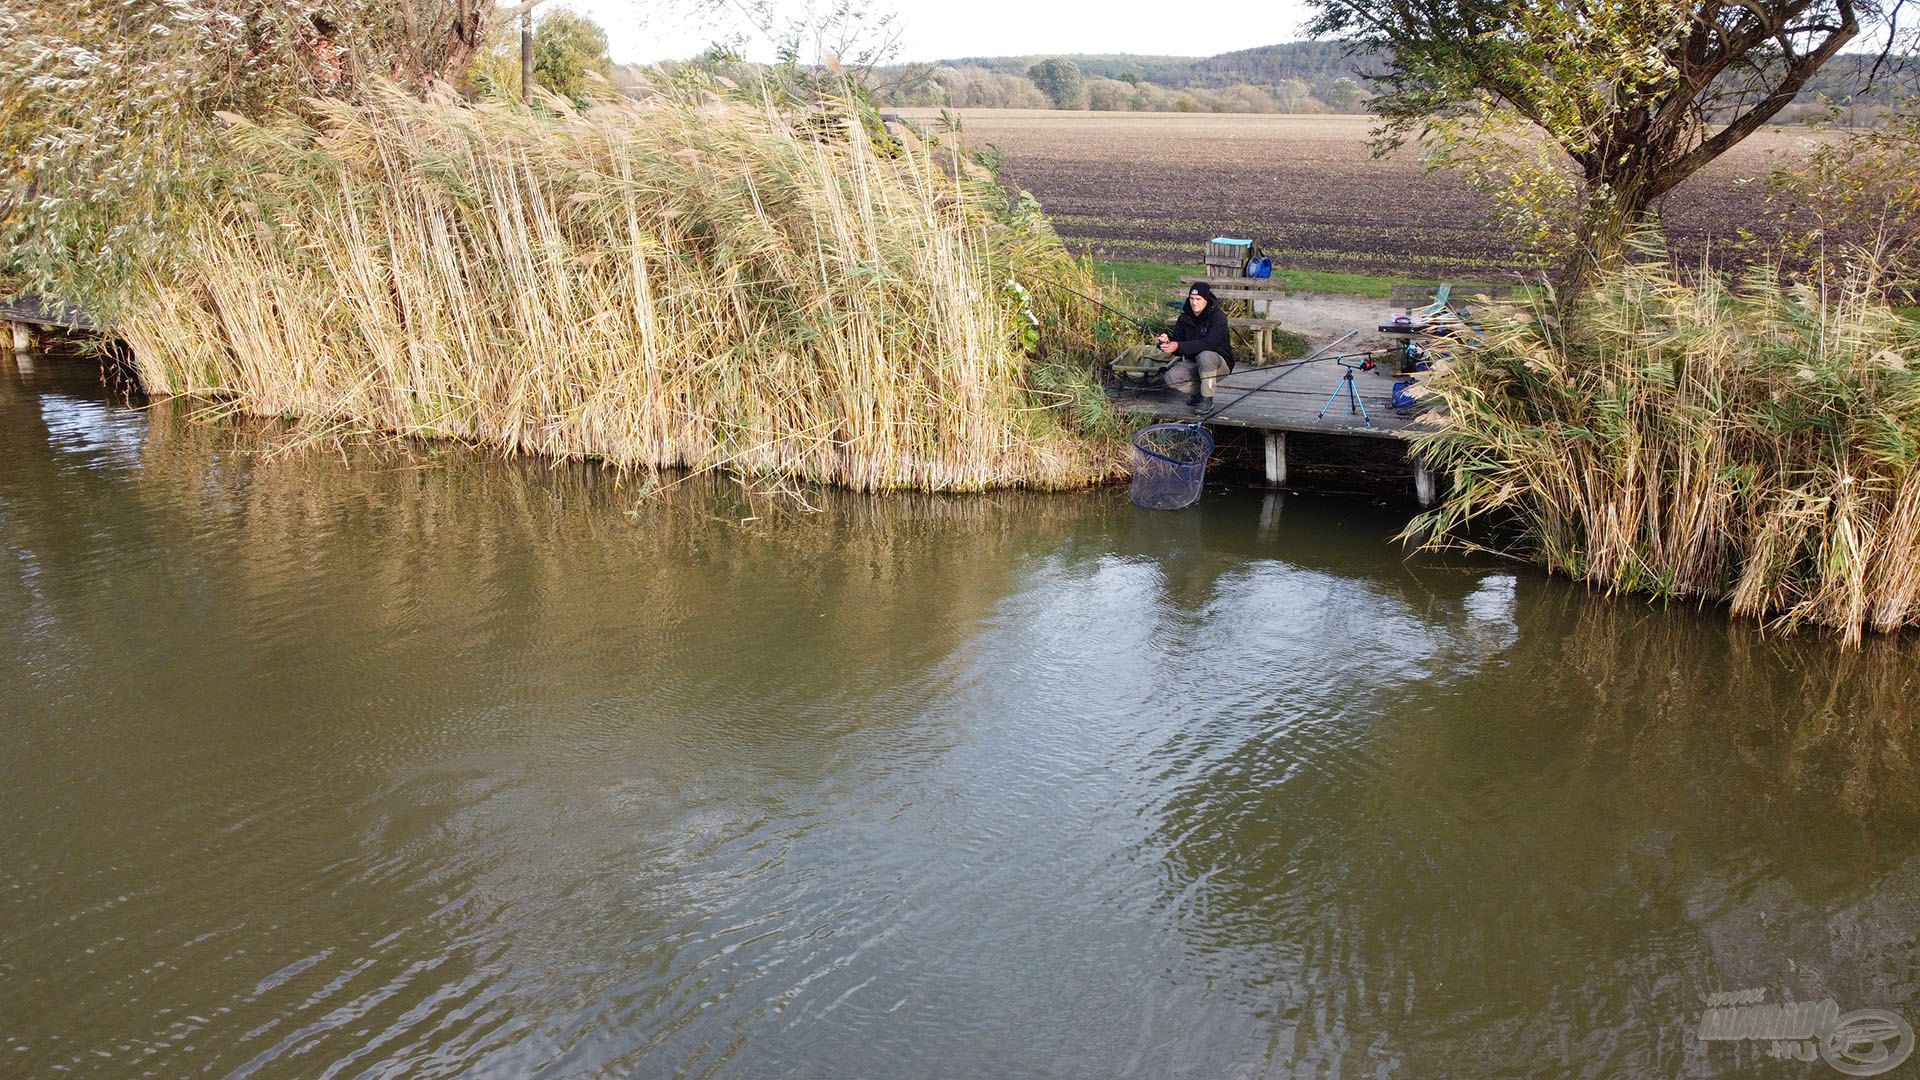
<point x="424" y="764"/>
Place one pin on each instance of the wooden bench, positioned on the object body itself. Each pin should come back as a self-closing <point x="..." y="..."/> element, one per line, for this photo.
<point x="1240" y="288"/>
<point x="1256" y="290"/>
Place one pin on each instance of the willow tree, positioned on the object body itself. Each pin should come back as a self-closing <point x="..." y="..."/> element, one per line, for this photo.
<point x="107" y="109"/>
<point x="1639" y="94"/>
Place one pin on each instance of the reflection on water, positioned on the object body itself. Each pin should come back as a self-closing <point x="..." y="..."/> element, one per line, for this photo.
<point x="409" y="762"/>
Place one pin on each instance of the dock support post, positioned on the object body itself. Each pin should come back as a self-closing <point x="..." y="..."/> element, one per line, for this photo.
<point x="1425" y="485"/>
<point x="22" y="338"/>
<point x="1276" y="459"/>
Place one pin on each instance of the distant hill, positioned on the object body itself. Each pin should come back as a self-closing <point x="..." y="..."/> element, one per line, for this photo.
<point x="1321" y="63"/>
<point x="1298" y="76"/>
<point x="1317" y="62"/>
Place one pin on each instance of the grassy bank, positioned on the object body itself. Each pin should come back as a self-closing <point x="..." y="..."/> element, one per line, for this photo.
<point x="1686" y="439"/>
<point x="685" y="282"/>
<point x="1159" y="278"/>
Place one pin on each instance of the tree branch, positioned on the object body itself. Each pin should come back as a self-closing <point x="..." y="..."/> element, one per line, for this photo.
<point x="1799" y="71"/>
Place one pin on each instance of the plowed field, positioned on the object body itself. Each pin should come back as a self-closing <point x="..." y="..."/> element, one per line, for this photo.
<point x="1151" y="187"/>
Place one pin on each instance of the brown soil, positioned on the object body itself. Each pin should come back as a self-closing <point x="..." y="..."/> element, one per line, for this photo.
<point x="1152" y="187"/>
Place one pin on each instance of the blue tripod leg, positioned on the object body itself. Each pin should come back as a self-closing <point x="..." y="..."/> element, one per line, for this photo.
<point x="1354" y="397"/>
<point x="1331" y="398"/>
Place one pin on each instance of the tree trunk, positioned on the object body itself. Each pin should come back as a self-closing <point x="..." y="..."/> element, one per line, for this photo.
<point x="1614" y="210"/>
<point x="467" y="36"/>
<point x="441" y="39"/>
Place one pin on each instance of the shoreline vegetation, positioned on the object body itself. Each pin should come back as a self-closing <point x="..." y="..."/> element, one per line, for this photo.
<point x="694" y="280"/>
<point x="1689" y="438"/>
<point x="755" y="277"/>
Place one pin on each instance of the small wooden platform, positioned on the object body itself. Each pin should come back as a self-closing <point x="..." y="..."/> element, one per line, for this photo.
<point x="38" y="311"/>
<point x="1293" y="402"/>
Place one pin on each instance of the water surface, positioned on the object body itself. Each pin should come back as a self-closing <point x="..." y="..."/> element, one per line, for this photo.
<point x="357" y="761"/>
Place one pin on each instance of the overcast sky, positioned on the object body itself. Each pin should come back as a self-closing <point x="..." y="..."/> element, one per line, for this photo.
<point x="641" y="31"/>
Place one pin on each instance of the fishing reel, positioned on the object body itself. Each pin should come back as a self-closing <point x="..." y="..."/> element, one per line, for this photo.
<point x="1413" y="356"/>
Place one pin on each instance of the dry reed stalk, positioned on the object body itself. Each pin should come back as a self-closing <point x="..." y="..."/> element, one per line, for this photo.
<point x="680" y="283"/>
<point x="1686" y="439"/>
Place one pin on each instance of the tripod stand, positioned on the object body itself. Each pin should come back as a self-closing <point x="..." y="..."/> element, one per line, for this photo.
<point x="1354" y="404"/>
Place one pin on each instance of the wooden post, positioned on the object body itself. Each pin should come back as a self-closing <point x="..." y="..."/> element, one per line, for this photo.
<point x="1276" y="459"/>
<point x="526" y="57"/>
<point x="22" y="338"/>
<point x="1425" y="485"/>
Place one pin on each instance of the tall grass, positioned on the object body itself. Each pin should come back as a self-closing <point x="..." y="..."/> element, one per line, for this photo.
<point x="685" y="282"/>
<point x="1687" y="438"/>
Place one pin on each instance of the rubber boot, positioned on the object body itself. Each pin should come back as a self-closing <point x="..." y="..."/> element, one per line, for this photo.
<point x="1202" y="399"/>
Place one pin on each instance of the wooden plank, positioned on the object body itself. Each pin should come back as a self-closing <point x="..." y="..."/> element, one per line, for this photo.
<point x="1276" y="459"/>
<point x="1263" y="286"/>
<point x="39" y="311"/>
<point x="1227" y="292"/>
<point x="1237" y="280"/>
<point x="1241" y="323"/>
<point x="1237" y="289"/>
<point x="1291" y="403"/>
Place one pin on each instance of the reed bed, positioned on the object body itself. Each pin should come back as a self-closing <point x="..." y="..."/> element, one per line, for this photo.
<point x="1689" y="438"/>
<point x="689" y="281"/>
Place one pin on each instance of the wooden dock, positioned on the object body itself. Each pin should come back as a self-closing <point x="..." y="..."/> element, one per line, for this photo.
<point x="1293" y="402"/>
<point x="1297" y="400"/>
<point x="45" y="314"/>
<point x="22" y="315"/>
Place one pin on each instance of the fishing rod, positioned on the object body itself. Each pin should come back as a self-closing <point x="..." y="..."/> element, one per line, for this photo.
<point x="1316" y="355"/>
<point x="1036" y="278"/>
<point x="1136" y="317"/>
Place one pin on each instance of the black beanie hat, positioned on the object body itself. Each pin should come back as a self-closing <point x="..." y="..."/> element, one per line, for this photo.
<point x="1203" y="289"/>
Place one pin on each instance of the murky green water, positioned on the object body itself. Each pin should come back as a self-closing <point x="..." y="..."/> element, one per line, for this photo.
<point x="341" y="763"/>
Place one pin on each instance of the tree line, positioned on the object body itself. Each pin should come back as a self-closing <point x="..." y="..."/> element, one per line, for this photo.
<point x="1328" y="76"/>
<point x="1063" y="83"/>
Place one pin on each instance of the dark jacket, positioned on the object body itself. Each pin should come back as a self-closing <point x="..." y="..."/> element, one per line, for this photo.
<point x="1205" y="332"/>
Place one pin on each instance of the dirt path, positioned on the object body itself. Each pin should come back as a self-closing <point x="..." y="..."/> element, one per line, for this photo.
<point x="1323" y="317"/>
